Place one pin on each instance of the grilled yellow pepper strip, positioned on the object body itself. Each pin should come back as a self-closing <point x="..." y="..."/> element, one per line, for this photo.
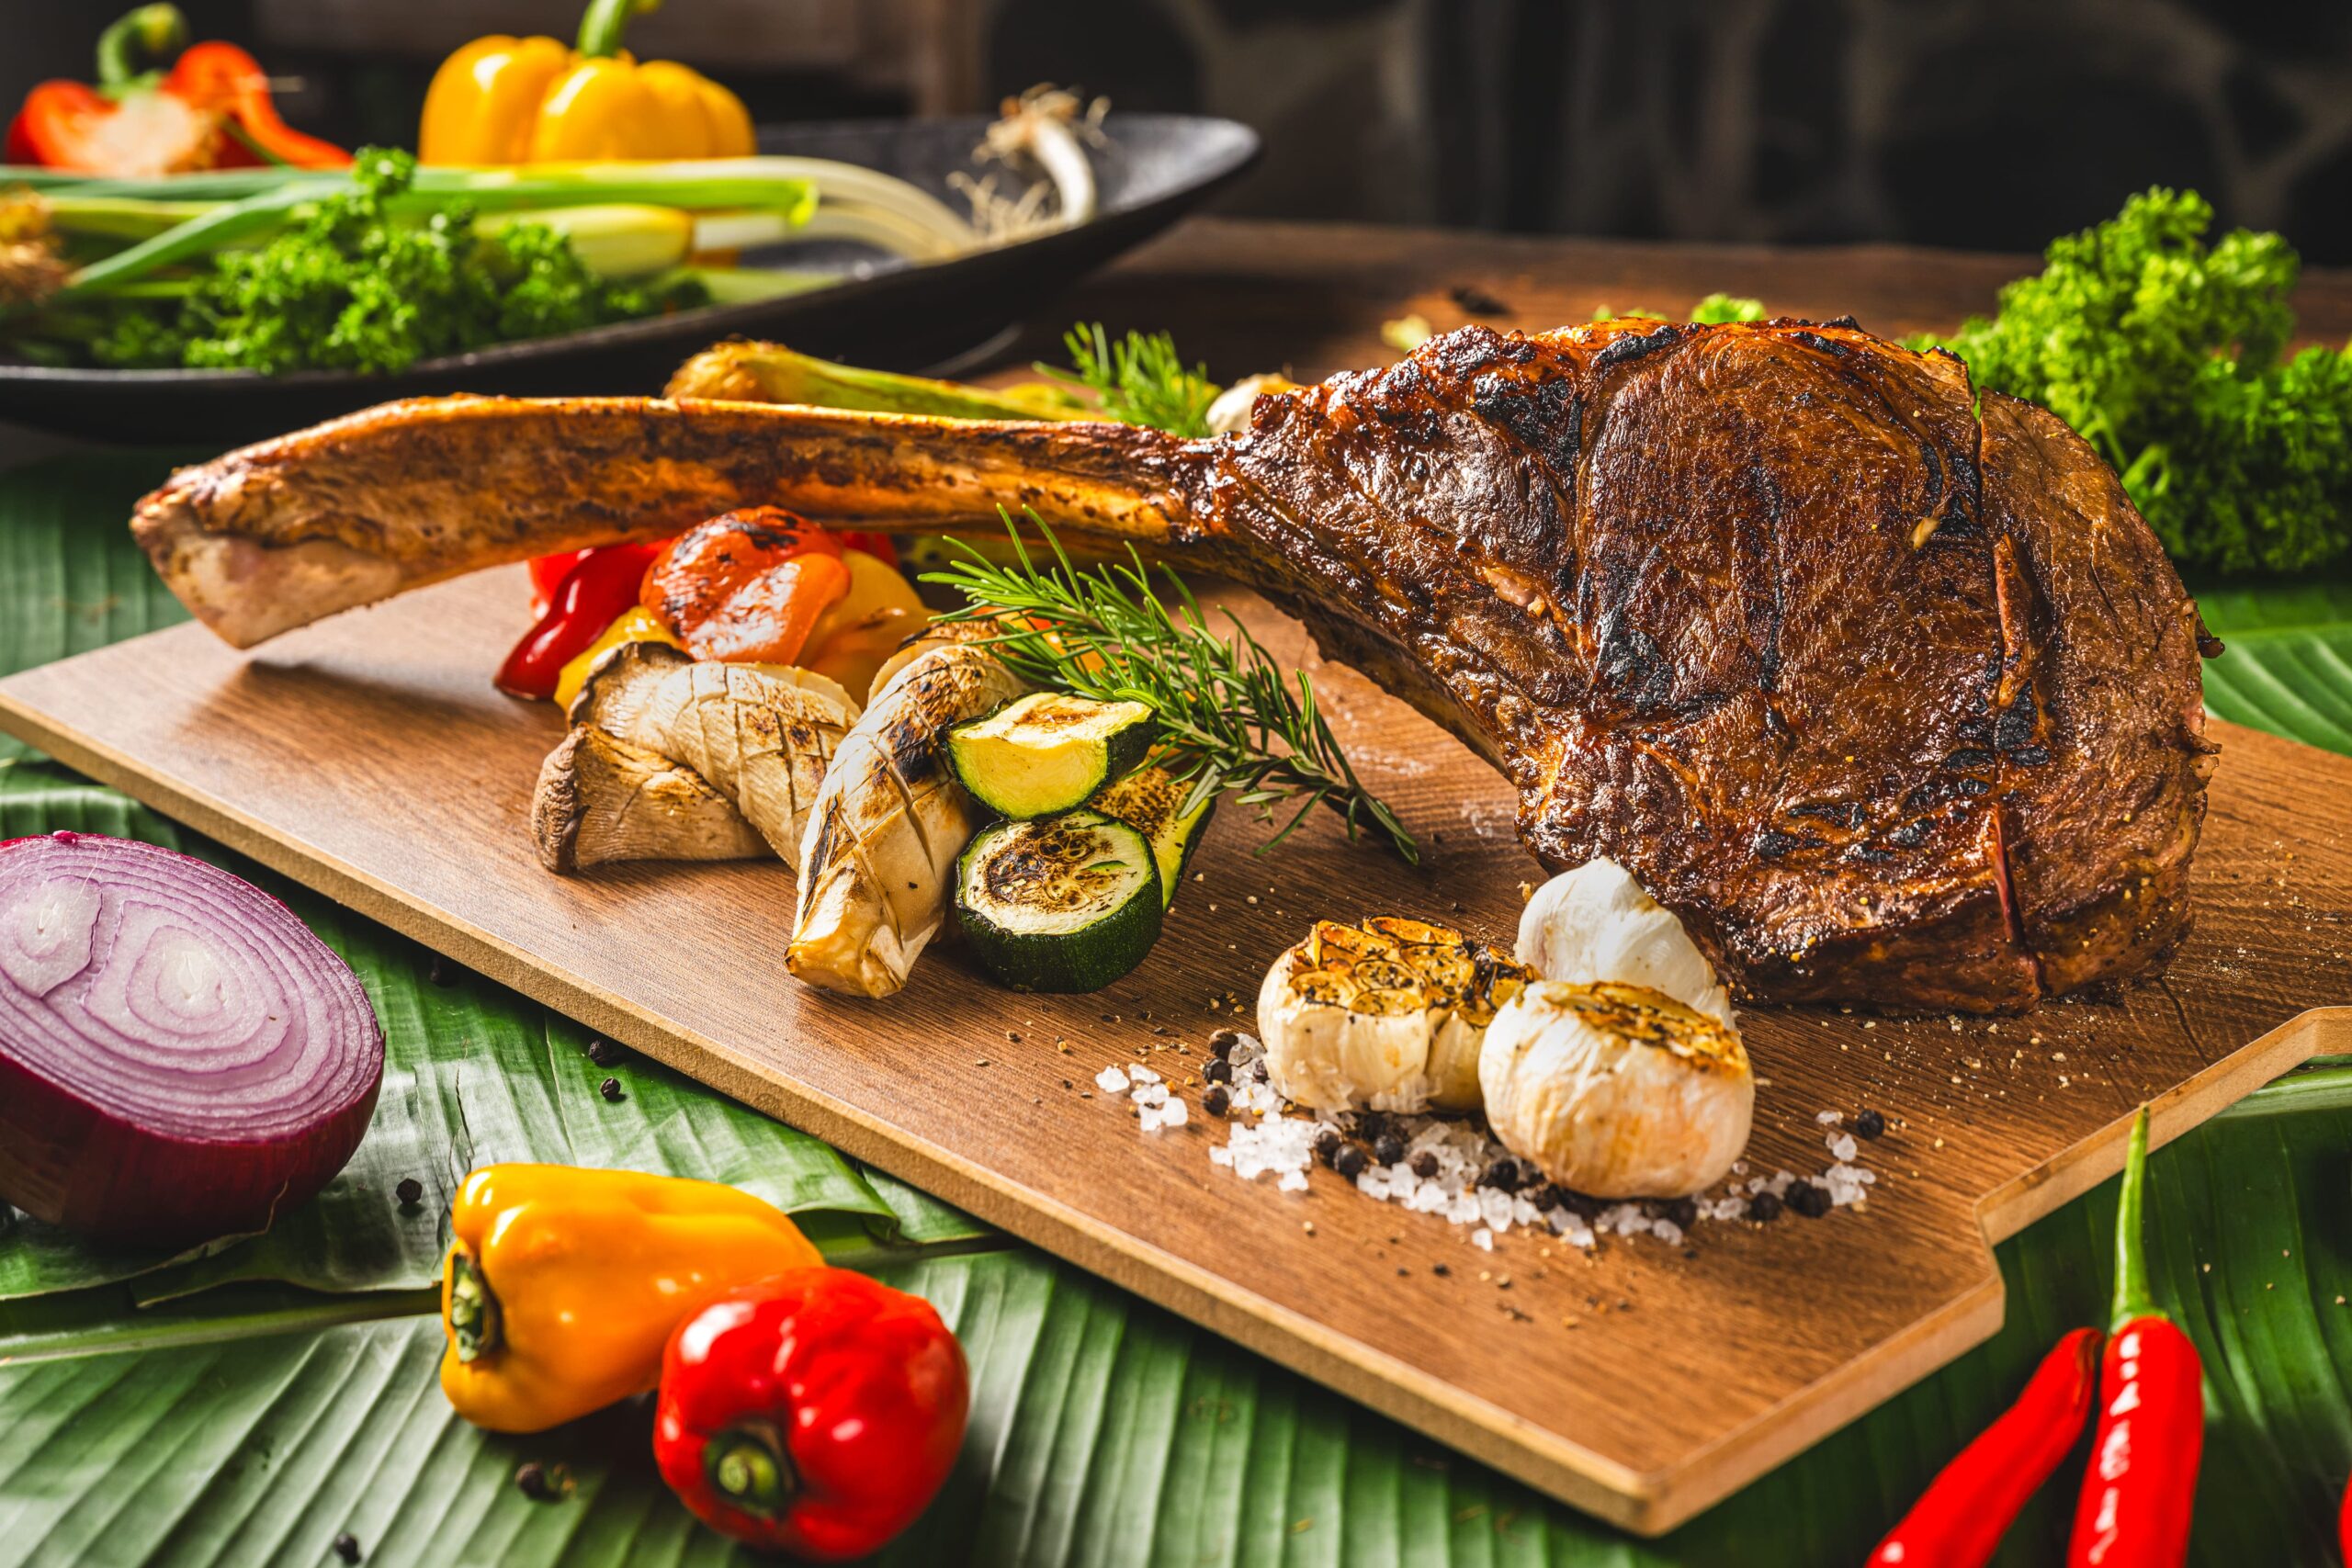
<point x="563" y="1284"/>
<point x="531" y="100"/>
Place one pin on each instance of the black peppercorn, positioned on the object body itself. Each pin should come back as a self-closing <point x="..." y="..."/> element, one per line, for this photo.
<point x="1371" y="1125"/>
<point x="1440" y="1269"/>
<point x="1869" y="1125"/>
<point x="1579" y="1204"/>
<point x="531" y="1479"/>
<point x="1546" y="1198"/>
<point x="605" y="1054"/>
<point x="1503" y="1176"/>
<point x="1808" y="1199"/>
<point x="1327" y="1143"/>
<point x="1388" y="1148"/>
<point x="1218" y="1071"/>
<point x="1425" y="1165"/>
<point x="1683" y="1211"/>
<point x="610" y="1089"/>
<point x="1222" y="1041"/>
<point x="346" y="1546"/>
<point x="1349" y="1162"/>
<point x="1764" y="1208"/>
<point x="1216" y="1102"/>
<point x="411" y="1192"/>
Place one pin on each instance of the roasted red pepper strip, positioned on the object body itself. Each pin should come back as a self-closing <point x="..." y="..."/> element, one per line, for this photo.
<point x="746" y="585"/>
<point x="878" y="546"/>
<point x="1958" y="1521"/>
<point x="592" y="596"/>
<point x="2143" y="1478"/>
<point x="816" y="1411"/>
<point x="548" y="574"/>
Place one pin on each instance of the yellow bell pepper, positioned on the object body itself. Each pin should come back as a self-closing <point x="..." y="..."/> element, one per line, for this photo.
<point x="564" y="1284"/>
<point x="531" y="100"/>
<point x="635" y="624"/>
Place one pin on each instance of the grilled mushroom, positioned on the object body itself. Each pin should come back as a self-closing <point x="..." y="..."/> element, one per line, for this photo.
<point x="1618" y="1092"/>
<point x="602" y="799"/>
<point x="1387" y="1015"/>
<point x="761" y="734"/>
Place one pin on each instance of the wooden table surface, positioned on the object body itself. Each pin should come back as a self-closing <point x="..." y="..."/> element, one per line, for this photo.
<point x="1247" y="296"/>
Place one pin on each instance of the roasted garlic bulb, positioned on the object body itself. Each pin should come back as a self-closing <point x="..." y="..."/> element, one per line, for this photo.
<point x="1597" y="923"/>
<point x="1385" y="1016"/>
<point x="1616" y="1091"/>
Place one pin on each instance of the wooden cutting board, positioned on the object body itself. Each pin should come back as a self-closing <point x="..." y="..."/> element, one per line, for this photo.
<point x="369" y="758"/>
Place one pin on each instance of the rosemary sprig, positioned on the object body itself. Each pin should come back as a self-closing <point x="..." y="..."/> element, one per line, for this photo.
<point x="1138" y="379"/>
<point x="1228" y="718"/>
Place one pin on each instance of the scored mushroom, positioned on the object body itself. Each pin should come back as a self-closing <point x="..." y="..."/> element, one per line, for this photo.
<point x="602" y="799"/>
<point x="1615" y="1090"/>
<point x="1387" y="1016"/>
<point x="762" y="736"/>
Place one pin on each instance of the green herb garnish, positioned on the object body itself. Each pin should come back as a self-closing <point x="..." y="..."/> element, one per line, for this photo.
<point x="1229" y="719"/>
<point x="1138" y="379"/>
<point x="353" y="284"/>
<point x="2164" y="354"/>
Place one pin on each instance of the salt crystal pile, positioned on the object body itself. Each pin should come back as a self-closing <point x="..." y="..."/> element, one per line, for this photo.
<point x="1111" y="1080"/>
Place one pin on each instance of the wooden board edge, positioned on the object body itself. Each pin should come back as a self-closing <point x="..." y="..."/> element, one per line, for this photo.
<point x="1646" y="1503"/>
<point x="2067" y="1176"/>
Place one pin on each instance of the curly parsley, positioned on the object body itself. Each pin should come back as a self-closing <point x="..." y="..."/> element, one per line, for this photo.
<point x="350" y="286"/>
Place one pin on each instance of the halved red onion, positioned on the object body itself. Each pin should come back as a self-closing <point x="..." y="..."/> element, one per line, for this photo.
<point x="180" y="1059"/>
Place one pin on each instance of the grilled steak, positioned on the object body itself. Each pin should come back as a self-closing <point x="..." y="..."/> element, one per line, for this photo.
<point x="1890" y="702"/>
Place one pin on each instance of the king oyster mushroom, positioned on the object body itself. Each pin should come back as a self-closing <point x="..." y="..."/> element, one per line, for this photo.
<point x="762" y="736"/>
<point x="602" y="799"/>
<point x="1597" y="923"/>
<point x="1617" y="1090"/>
<point x="1387" y="1015"/>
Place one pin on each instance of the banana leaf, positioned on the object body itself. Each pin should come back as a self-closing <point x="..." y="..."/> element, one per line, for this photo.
<point x="2288" y="667"/>
<point x="1107" y="1432"/>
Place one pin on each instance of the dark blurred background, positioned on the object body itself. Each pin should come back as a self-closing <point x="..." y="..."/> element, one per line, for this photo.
<point x="1988" y="124"/>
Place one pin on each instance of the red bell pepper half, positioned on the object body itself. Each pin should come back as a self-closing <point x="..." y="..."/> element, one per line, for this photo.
<point x="595" y="593"/>
<point x="816" y="1412"/>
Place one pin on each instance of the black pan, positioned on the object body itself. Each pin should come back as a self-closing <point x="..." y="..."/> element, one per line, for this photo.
<point x="1155" y="167"/>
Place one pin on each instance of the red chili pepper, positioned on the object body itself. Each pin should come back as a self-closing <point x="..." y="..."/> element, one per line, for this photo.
<point x="212" y="110"/>
<point x="878" y="546"/>
<point x="548" y="573"/>
<point x="2343" y="1526"/>
<point x="816" y="1411"/>
<point x="1958" y="1521"/>
<point x="2143" y="1478"/>
<point x="592" y="596"/>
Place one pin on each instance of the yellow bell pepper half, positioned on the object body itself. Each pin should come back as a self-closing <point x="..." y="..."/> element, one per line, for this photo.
<point x="564" y="1284"/>
<point x="531" y="100"/>
<point x="635" y="624"/>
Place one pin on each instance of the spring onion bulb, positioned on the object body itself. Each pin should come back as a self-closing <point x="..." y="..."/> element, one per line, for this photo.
<point x="180" y="1058"/>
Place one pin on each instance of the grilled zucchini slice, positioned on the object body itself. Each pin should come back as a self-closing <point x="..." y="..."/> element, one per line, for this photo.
<point x="1049" y="752"/>
<point x="1151" y="801"/>
<point x="1066" y="903"/>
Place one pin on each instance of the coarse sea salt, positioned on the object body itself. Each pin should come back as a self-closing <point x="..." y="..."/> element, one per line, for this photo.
<point x="1111" y="1080"/>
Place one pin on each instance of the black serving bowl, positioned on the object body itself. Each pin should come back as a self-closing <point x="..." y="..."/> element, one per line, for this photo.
<point x="1153" y="168"/>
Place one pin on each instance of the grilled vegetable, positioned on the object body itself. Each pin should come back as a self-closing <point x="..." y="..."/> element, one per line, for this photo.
<point x="1597" y="923"/>
<point x="1619" y="1091"/>
<point x="1152" y="801"/>
<point x="601" y="799"/>
<point x="1065" y="903"/>
<point x="1390" y="1014"/>
<point x="762" y="736"/>
<point x="888" y="820"/>
<point x="1049" y="752"/>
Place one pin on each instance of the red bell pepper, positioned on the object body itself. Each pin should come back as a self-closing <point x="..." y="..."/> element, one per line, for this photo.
<point x="816" y="1411"/>
<point x="747" y="585"/>
<point x="878" y="546"/>
<point x="212" y="110"/>
<point x="592" y="595"/>
<point x="2137" y="1495"/>
<point x="1958" y="1521"/>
